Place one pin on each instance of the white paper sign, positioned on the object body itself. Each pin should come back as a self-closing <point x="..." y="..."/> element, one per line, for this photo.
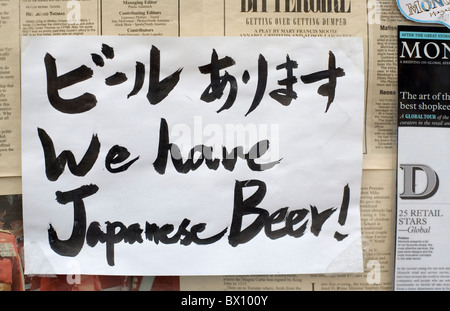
<point x="192" y="156"/>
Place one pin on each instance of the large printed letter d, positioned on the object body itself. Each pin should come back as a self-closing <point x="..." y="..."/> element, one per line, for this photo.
<point x="409" y="177"/>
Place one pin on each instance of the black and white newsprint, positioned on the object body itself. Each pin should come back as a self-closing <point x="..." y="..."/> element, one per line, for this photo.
<point x="423" y="180"/>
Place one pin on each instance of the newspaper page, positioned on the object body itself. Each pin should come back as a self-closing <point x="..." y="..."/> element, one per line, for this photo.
<point x="423" y="128"/>
<point x="381" y="131"/>
<point x="59" y="18"/>
<point x="140" y="18"/>
<point x="10" y="151"/>
<point x="10" y="185"/>
<point x="377" y="21"/>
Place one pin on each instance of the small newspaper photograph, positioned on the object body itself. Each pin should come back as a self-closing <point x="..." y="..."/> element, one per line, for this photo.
<point x="423" y="214"/>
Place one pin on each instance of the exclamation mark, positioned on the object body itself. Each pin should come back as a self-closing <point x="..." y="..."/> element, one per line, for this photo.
<point x="343" y="213"/>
